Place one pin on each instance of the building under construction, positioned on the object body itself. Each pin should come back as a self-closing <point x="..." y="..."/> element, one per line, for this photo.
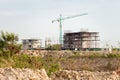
<point x="81" y="40"/>
<point x="31" y="44"/>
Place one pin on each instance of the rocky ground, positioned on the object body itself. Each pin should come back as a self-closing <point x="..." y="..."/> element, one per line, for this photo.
<point x="22" y="74"/>
<point x="84" y="75"/>
<point x="30" y="74"/>
<point x="66" y="65"/>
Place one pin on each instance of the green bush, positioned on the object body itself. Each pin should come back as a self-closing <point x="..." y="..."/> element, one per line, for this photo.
<point x="53" y="68"/>
<point x="25" y="61"/>
<point x="5" y="53"/>
<point x="8" y="44"/>
<point x="113" y="55"/>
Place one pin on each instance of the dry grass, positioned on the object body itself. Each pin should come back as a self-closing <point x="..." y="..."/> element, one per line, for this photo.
<point x="56" y="60"/>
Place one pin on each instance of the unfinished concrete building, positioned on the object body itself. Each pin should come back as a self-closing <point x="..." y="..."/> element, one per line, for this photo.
<point x="31" y="44"/>
<point x="81" y="40"/>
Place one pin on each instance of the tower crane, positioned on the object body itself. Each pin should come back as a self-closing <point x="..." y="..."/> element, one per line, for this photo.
<point x="60" y="19"/>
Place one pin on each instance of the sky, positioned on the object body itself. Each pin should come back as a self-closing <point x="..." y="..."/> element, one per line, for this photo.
<point x="33" y="18"/>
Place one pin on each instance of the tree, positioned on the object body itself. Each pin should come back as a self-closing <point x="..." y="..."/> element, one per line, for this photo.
<point x="53" y="47"/>
<point x="56" y="47"/>
<point x="8" y="43"/>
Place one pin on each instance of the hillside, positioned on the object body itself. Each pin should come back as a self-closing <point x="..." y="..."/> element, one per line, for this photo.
<point x="60" y="65"/>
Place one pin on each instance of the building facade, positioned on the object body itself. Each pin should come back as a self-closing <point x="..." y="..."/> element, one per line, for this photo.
<point x="81" y="40"/>
<point x="31" y="44"/>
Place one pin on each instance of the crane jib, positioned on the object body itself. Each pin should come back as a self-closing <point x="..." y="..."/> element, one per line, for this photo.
<point x="60" y="22"/>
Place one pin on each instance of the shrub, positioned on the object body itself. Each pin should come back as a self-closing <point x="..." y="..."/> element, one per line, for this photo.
<point x="53" y="68"/>
<point x="25" y="61"/>
<point x="8" y="44"/>
<point x="113" y="55"/>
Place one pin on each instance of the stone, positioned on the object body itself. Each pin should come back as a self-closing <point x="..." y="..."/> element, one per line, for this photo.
<point x="84" y="75"/>
<point x="22" y="74"/>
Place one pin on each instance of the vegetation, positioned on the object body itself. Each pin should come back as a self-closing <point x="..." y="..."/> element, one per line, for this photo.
<point x="9" y="57"/>
<point x="53" y="61"/>
<point x="33" y="62"/>
<point x="53" y="47"/>
<point x="8" y="44"/>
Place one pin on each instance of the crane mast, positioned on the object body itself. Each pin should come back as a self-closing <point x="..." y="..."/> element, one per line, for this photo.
<point x="60" y="24"/>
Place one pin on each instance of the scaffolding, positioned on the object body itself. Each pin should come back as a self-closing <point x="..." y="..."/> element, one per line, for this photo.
<point x="81" y="40"/>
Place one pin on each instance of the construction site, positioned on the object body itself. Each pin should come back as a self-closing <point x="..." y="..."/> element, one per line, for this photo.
<point x="77" y="40"/>
<point x="81" y="40"/>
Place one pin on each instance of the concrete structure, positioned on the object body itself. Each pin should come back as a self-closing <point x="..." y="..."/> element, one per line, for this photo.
<point x="81" y="40"/>
<point x="48" y="42"/>
<point x="28" y="44"/>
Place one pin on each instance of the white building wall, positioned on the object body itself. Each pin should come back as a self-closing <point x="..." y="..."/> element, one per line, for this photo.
<point x="31" y="44"/>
